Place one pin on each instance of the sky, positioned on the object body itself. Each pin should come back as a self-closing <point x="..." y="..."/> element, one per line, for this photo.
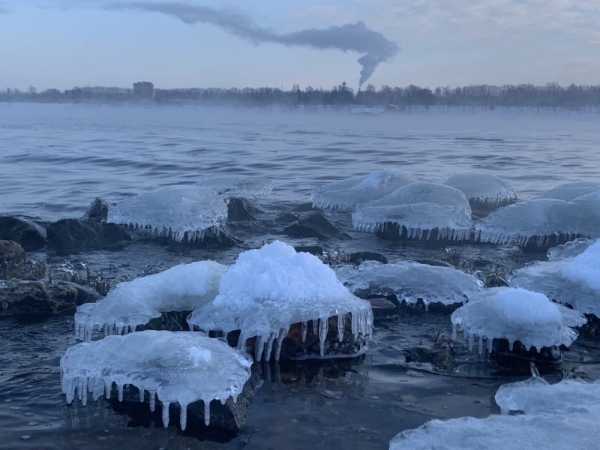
<point x="209" y="43"/>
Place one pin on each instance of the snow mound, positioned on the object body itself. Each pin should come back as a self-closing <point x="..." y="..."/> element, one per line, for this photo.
<point x="411" y="281"/>
<point x="482" y="188"/>
<point x="533" y="221"/>
<point x="133" y="303"/>
<point x="269" y="289"/>
<point x="173" y="211"/>
<point x="238" y="185"/>
<point x="570" y="191"/>
<point x="516" y="314"/>
<point x="175" y="367"/>
<point x="571" y="281"/>
<point x="348" y="193"/>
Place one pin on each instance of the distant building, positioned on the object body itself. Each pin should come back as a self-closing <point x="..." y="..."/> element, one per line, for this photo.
<point x="143" y="89"/>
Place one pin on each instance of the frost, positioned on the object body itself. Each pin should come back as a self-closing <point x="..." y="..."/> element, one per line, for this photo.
<point x="482" y="188"/>
<point x="173" y="211"/>
<point x="516" y="315"/>
<point x="570" y="191"/>
<point x="269" y="289"/>
<point x="134" y="303"/>
<point x="238" y="185"/>
<point x="533" y="221"/>
<point x="173" y="367"/>
<point x="348" y="193"/>
<point x="572" y="281"/>
<point x="411" y="281"/>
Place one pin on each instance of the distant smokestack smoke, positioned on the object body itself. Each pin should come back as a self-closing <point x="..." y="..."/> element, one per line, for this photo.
<point x="374" y="46"/>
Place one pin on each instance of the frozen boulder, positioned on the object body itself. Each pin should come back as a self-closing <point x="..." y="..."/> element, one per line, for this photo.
<point x="516" y="314"/>
<point x="570" y="191"/>
<point x="134" y="303"/>
<point x="411" y="281"/>
<point x="483" y="189"/>
<point x="173" y="367"/>
<point x="269" y="289"/>
<point x="178" y="212"/>
<point x="351" y="192"/>
<point x="235" y="185"/>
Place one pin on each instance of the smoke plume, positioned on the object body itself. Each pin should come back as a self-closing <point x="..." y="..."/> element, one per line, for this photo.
<point x="374" y="46"/>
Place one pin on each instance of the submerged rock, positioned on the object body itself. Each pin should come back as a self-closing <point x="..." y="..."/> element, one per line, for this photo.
<point x="28" y="234"/>
<point x="315" y="225"/>
<point x="74" y="235"/>
<point x="241" y="210"/>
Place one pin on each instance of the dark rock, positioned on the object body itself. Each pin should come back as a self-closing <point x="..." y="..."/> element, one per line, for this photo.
<point x="240" y="210"/>
<point x="74" y="235"/>
<point x="286" y="217"/>
<point x="12" y="259"/>
<point x="383" y="308"/>
<point x="27" y="297"/>
<point x="315" y="225"/>
<point x="97" y="211"/>
<point x="358" y="257"/>
<point x="28" y="234"/>
<point x="441" y="354"/>
<point x="316" y="250"/>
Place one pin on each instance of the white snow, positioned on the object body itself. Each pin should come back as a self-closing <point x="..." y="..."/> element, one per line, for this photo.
<point x="516" y="315"/>
<point x="348" y="193"/>
<point x="173" y="211"/>
<point x="269" y="289"/>
<point x="482" y="188"/>
<point x="130" y="304"/>
<point x="238" y="185"/>
<point x="178" y="367"/>
<point x="584" y="269"/>
<point x="411" y="281"/>
<point x="570" y="191"/>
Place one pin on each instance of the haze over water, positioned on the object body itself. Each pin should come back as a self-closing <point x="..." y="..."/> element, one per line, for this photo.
<point x="55" y="159"/>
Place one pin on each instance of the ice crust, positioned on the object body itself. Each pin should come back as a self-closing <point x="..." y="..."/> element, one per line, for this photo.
<point x="482" y="188"/>
<point x="570" y="191"/>
<point x="134" y="303"/>
<point x="238" y="185"/>
<point x="411" y="281"/>
<point x="348" y="193"/>
<point x="534" y="221"/>
<point x="269" y="289"/>
<point x="571" y="281"/>
<point x="177" y="367"/>
<point x="173" y="211"/>
<point x="516" y="314"/>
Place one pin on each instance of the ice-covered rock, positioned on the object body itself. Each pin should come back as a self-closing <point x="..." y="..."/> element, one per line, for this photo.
<point x="535" y="221"/>
<point x="570" y="191"/>
<point x="348" y="193"/>
<point x="269" y="289"/>
<point x="482" y="188"/>
<point x="516" y="314"/>
<point x="572" y="281"/>
<point x="411" y="281"/>
<point x="134" y="303"/>
<point x="238" y="185"/>
<point x="569" y="249"/>
<point x="420" y="209"/>
<point x="174" y="211"/>
<point x="173" y="367"/>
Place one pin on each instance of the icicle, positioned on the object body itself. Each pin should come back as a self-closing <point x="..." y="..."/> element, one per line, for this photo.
<point x="453" y="331"/>
<point x="426" y="303"/>
<point x="183" y="416"/>
<point x="304" y="328"/>
<point x="341" y="324"/>
<point x="280" y="337"/>
<point x="152" y="400"/>
<point x="269" y="349"/>
<point x="141" y="389"/>
<point x="69" y="389"/>
<point x="315" y="326"/>
<point x="120" y="392"/>
<point x="84" y="391"/>
<point x="241" y="341"/>
<point x="165" y="414"/>
<point x="79" y="382"/>
<point x="354" y="317"/>
<point x="471" y="341"/>
<point x="489" y="344"/>
<point x="207" y="412"/>
<point x="259" y="346"/>
<point x="107" y="388"/>
<point x="323" y="329"/>
<point x="480" y="345"/>
<point x="510" y="345"/>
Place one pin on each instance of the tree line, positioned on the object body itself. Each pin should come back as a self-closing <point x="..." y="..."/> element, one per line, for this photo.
<point x="551" y="95"/>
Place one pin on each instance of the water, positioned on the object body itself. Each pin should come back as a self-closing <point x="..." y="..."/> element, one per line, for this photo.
<point x="55" y="159"/>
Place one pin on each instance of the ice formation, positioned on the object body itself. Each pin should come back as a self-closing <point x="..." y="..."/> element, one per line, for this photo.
<point x="516" y="314"/>
<point x="572" y="281"/>
<point x="172" y="366"/>
<point x="482" y="188"/>
<point x="533" y="221"/>
<point x="570" y="191"/>
<point x="411" y="281"/>
<point x="269" y="289"/>
<point x="173" y="211"/>
<point x="569" y="249"/>
<point x="420" y="208"/>
<point x="133" y="303"/>
<point x="238" y="185"/>
<point x="348" y="193"/>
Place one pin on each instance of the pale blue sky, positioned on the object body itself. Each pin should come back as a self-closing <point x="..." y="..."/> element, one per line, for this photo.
<point x="66" y="43"/>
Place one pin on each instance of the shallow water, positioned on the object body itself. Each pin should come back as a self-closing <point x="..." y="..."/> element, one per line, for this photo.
<point x="55" y="159"/>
